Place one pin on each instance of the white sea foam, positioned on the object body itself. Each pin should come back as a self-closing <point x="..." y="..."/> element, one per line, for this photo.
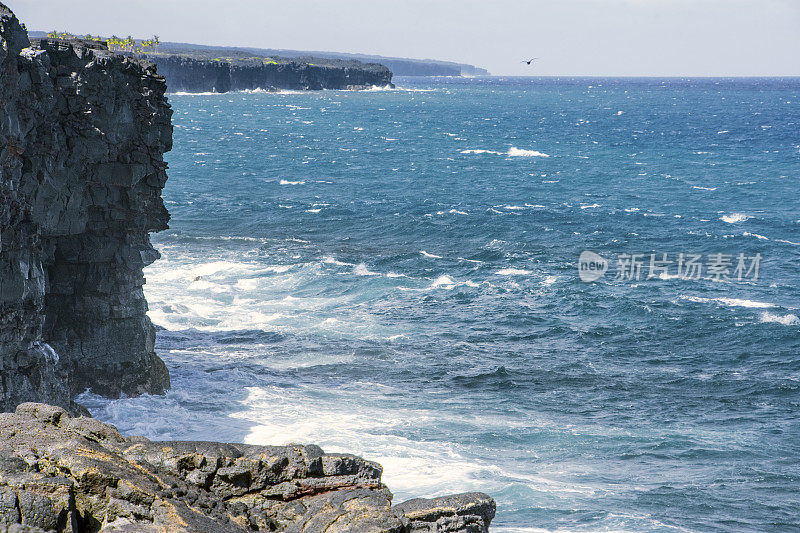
<point x="412" y="467"/>
<point x="431" y="256"/>
<point x="704" y="188"/>
<point x="733" y="218"/>
<point x="786" y="320"/>
<point x="332" y="261"/>
<point x="287" y="182"/>
<point x="317" y="210"/>
<point x="477" y="151"/>
<point x="730" y="302"/>
<point x="513" y="272"/>
<point x="443" y="281"/>
<point x="389" y="88"/>
<point x="756" y="235"/>
<point x="184" y="93"/>
<point x="362" y="270"/>
<point x="518" y="152"/>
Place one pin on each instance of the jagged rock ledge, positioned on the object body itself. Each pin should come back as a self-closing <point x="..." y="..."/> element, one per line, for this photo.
<point x="63" y="473"/>
<point x="187" y="73"/>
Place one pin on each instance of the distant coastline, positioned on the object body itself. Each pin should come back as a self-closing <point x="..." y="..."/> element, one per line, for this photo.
<point x="399" y="66"/>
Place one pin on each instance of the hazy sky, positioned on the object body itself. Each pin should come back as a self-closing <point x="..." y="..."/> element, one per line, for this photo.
<point x="572" y="37"/>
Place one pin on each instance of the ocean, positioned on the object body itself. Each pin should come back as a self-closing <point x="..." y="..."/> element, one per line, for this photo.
<point x="395" y="273"/>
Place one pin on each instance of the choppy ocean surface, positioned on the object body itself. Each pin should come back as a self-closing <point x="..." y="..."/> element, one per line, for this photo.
<point x="394" y="274"/>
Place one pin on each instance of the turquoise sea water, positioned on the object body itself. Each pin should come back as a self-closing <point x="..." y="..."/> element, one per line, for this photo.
<point x="394" y="273"/>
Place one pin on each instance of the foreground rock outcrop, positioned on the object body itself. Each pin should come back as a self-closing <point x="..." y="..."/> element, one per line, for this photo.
<point x="82" y="135"/>
<point x="202" y="74"/>
<point x="63" y="473"/>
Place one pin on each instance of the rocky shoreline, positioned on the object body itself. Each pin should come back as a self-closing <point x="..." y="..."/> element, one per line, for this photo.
<point x="60" y="473"/>
<point x="82" y="137"/>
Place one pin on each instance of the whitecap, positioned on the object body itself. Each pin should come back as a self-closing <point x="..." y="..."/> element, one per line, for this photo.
<point x="730" y="302"/>
<point x="733" y="218"/>
<point x="756" y="235"/>
<point x="786" y="320"/>
<point x="362" y="270"/>
<point x="513" y="272"/>
<point x="332" y="261"/>
<point x="704" y="188"/>
<point x="518" y="152"/>
<point x="481" y="152"/>
<point x="287" y="182"/>
<point x="443" y="281"/>
<point x="431" y="256"/>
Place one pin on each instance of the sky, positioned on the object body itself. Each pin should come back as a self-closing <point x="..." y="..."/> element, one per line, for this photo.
<point x="570" y="37"/>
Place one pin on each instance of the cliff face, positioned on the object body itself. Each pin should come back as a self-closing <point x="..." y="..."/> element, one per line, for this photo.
<point x="188" y="74"/>
<point x="82" y="133"/>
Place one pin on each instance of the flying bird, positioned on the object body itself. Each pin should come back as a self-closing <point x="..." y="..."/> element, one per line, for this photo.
<point x="529" y="61"/>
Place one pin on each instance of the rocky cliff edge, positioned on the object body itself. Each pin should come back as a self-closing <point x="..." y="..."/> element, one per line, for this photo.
<point x="82" y="135"/>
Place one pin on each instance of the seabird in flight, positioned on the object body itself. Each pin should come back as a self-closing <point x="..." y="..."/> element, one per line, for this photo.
<point x="530" y="60"/>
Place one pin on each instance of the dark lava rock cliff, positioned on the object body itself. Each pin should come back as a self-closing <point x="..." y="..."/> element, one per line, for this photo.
<point x="82" y="133"/>
<point x="198" y="73"/>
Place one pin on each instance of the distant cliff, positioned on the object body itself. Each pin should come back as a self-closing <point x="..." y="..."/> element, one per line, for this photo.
<point x="398" y="65"/>
<point x="82" y="134"/>
<point x="204" y="74"/>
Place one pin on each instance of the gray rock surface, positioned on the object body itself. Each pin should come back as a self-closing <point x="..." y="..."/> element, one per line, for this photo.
<point x="64" y="473"/>
<point x="82" y="134"/>
<point x="470" y="512"/>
